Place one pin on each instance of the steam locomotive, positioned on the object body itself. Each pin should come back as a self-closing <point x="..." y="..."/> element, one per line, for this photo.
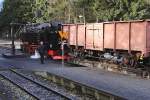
<point x="49" y="33"/>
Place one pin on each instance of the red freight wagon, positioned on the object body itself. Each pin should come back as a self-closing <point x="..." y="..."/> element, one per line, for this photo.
<point x="76" y="34"/>
<point x="131" y="36"/>
<point x="71" y="29"/>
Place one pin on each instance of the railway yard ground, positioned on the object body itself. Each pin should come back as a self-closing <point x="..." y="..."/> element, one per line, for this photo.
<point x="27" y="79"/>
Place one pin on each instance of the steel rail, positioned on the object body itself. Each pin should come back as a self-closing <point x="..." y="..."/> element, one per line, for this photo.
<point x="44" y="86"/>
<point x="19" y="86"/>
<point x="35" y="82"/>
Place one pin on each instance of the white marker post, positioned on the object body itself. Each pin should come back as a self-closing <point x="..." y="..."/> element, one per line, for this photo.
<point x="62" y="48"/>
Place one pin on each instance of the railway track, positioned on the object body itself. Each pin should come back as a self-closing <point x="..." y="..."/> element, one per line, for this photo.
<point x="33" y="87"/>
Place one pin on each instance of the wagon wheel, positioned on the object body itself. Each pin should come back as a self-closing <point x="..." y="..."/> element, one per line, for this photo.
<point x="133" y="62"/>
<point x="73" y="53"/>
<point x="82" y="55"/>
<point x="125" y="61"/>
<point x="145" y="74"/>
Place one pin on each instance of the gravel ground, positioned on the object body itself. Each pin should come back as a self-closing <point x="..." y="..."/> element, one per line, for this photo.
<point x="9" y="91"/>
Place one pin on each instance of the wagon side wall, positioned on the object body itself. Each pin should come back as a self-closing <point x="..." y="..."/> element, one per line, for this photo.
<point x="73" y="35"/>
<point x="94" y="36"/>
<point x="89" y="36"/>
<point x="98" y="36"/>
<point x="129" y="36"/>
<point x="122" y="36"/>
<point x="71" y="30"/>
<point x="81" y="35"/>
<point x="109" y="38"/>
<point x="148" y="39"/>
<point x="138" y="36"/>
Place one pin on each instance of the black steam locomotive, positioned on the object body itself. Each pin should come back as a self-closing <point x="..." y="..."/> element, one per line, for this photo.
<point x="34" y="33"/>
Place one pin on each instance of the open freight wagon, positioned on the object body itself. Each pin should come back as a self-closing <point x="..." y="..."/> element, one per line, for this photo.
<point x="96" y="39"/>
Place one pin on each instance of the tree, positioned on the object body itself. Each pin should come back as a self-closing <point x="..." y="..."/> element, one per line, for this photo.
<point x="18" y="11"/>
<point x="108" y="10"/>
<point x="67" y="11"/>
<point x="41" y="10"/>
<point x="85" y="8"/>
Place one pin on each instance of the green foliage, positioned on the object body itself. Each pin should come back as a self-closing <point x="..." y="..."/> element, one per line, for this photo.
<point x="108" y="10"/>
<point x="68" y="11"/>
<point x="18" y="11"/>
<point x="85" y="8"/>
<point x="60" y="10"/>
<point x="41" y="10"/>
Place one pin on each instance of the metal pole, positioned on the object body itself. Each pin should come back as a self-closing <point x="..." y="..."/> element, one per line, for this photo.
<point x="13" y="45"/>
<point x="62" y="47"/>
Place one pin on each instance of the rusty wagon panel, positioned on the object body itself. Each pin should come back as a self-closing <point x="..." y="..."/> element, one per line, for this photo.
<point x="125" y="36"/>
<point x="109" y="35"/>
<point x="98" y="36"/>
<point x="89" y="36"/>
<point x="65" y="28"/>
<point x="94" y="36"/>
<point x="148" y="38"/>
<point x="138" y="36"/>
<point x="81" y="35"/>
<point x="122" y="36"/>
<point x="72" y="36"/>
